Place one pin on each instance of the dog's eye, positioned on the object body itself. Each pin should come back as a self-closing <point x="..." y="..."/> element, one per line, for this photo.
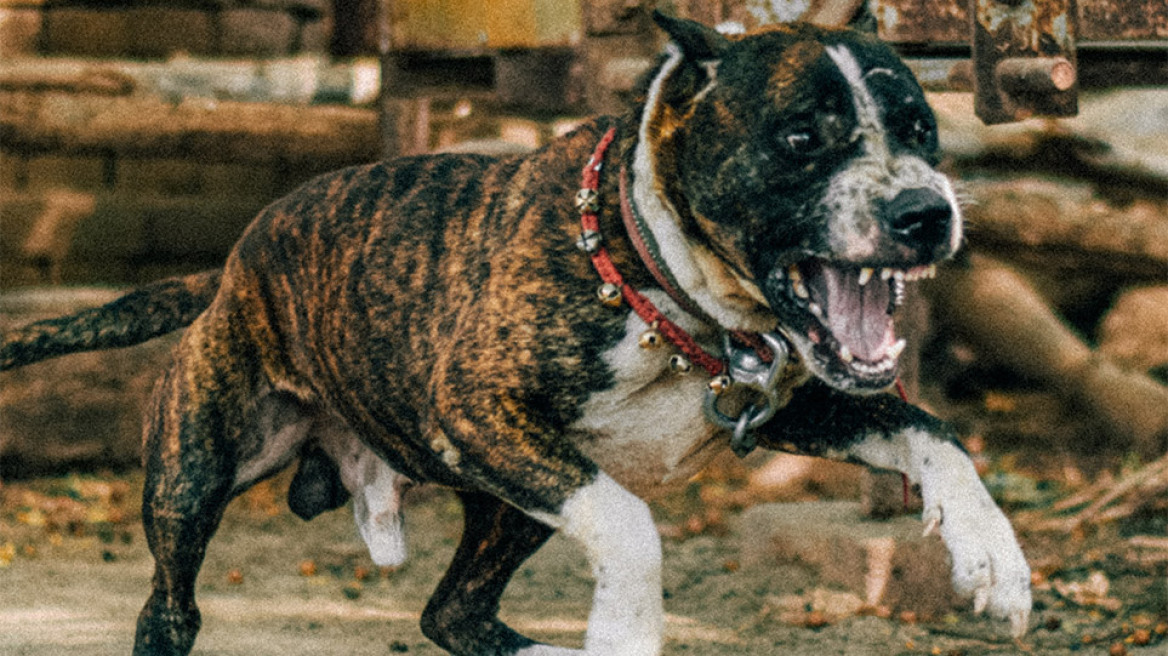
<point x="921" y="134"/>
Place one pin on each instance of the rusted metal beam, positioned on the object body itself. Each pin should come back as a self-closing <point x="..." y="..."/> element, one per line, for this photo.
<point x="1024" y="59"/>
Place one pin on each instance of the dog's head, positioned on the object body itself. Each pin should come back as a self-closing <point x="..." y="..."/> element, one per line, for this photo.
<point x="795" y="165"/>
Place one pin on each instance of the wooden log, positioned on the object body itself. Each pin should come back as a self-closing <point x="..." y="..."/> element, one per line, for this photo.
<point x="211" y="131"/>
<point x="1065" y="224"/>
<point x="1002" y="315"/>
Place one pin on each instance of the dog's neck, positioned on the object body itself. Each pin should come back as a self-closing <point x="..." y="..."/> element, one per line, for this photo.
<point x="661" y="220"/>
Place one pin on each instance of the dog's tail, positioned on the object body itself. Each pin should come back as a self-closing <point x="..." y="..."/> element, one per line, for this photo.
<point x="141" y="315"/>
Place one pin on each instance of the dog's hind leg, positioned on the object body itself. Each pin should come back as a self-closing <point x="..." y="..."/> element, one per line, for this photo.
<point x="461" y="616"/>
<point x="189" y="478"/>
<point x="204" y="430"/>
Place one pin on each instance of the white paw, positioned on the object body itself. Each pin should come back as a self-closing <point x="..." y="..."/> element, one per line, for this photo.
<point x="988" y="564"/>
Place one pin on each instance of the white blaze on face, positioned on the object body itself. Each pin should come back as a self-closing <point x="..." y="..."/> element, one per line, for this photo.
<point x="877" y="174"/>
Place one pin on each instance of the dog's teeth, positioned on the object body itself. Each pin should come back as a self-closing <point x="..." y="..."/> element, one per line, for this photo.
<point x="865" y="275"/>
<point x="897" y="292"/>
<point x="815" y="309"/>
<point x="885" y="273"/>
<point x="896" y="349"/>
<point x="899" y="275"/>
<point x="800" y="290"/>
<point x="931" y="271"/>
<point x="845" y="354"/>
<point x="793" y="273"/>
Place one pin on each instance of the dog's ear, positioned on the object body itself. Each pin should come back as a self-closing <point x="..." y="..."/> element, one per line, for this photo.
<point x="698" y="43"/>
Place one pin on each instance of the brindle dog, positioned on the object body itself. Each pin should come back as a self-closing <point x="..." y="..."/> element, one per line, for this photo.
<point x="437" y="312"/>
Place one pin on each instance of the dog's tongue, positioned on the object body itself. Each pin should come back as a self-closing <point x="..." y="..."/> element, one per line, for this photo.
<point x="857" y="315"/>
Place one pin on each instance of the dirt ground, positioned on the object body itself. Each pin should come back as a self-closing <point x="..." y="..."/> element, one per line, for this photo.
<point x="74" y="571"/>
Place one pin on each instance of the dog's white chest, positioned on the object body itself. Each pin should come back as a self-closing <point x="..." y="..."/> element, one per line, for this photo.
<point x="649" y="430"/>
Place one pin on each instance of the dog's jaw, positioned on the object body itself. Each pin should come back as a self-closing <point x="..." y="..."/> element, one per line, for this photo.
<point x="840" y="319"/>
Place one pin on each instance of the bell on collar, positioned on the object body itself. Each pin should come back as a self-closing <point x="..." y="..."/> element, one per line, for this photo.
<point x="609" y="294"/>
<point x="651" y="338"/>
<point x="679" y="364"/>
<point x="719" y="384"/>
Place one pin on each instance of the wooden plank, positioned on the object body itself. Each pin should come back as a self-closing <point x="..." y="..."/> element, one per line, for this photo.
<point x="320" y="136"/>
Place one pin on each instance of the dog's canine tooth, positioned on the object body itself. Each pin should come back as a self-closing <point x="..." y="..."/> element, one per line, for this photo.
<point x="845" y="353"/>
<point x="815" y="309"/>
<point x="800" y="290"/>
<point x="885" y="273"/>
<point x="794" y="274"/>
<point x="866" y="275"/>
<point x="896" y="349"/>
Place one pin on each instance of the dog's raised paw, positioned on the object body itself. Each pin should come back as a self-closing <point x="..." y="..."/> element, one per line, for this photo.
<point x="988" y="564"/>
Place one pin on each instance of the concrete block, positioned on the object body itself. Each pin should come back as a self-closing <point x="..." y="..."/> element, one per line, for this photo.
<point x="885" y="563"/>
<point x="256" y="32"/>
<point x="66" y="172"/>
<point x="20" y="31"/>
<point x="88" y="32"/>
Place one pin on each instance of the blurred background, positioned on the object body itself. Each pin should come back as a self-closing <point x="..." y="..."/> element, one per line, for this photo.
<point x="138" y="138"/>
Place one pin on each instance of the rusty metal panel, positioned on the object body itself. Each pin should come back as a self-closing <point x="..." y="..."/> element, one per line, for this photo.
<point x="943" y="21"/>
<point x="467" y="25"/>
<point x="1122" y="20"/>
<point x="920" y="21"/>
<point x="1024" y="59"/>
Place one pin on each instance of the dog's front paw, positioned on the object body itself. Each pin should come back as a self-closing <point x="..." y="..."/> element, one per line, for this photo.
<point x="988" y="564"/>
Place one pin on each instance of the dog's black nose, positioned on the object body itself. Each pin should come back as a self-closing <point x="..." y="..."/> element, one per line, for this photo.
<point x="918" y="217"/>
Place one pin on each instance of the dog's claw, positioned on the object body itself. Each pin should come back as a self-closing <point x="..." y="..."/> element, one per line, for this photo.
<point x="931" y="524"/>
<point x="981" y="598"/>
<point x="1019" y="623"/>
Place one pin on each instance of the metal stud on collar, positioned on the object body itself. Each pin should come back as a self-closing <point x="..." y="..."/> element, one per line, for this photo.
<point x="589" y="241"/>
<point x="587" y="200"/>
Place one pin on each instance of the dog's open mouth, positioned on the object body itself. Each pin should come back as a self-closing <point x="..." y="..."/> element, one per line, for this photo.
<point x="840" y="317"/>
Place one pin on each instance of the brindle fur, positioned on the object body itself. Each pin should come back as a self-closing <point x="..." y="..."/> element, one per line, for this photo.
<point x="438" y="309"/>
